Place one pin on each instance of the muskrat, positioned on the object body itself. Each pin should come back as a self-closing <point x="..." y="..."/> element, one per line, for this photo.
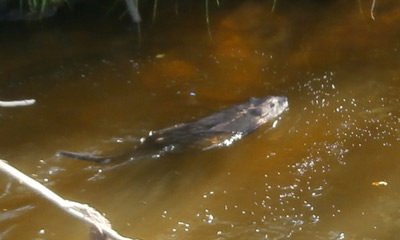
<point x="217" y="130"/>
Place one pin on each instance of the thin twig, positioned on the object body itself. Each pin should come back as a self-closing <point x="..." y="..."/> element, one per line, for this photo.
<point x="81" y="211"/>
<point x="360" y="7"/>
<point x="133" y="10"/>
<point x="208" y="22"/>
<point x="372" y="10"/>
<point x="19" y="103"/>
<point x="273" y="6"/>
<point x="154" y="10"/>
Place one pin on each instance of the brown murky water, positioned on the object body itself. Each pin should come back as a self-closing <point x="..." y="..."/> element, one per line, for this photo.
<point x="311" y="177"/>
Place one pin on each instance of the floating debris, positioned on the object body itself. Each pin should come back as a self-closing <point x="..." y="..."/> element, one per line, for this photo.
<point x="379" y="184"/>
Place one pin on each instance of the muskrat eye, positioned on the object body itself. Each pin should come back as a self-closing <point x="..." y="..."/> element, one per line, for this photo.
<point x="272" y="105"/>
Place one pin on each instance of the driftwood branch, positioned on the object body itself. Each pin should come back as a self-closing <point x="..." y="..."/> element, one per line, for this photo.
<point x="372" y="10"/>
<point x="81" y="211"/>
<point x="18" y="103"/>
<point x="133" y="10"/>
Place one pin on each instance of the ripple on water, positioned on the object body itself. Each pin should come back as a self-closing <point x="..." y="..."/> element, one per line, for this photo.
<point x="331" y="122"/>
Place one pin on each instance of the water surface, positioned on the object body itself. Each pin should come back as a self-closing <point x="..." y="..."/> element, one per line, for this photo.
<point x="310" y="177"/>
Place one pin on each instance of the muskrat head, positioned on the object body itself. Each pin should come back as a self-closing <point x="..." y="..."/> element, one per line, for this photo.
<point x="269" y="107"/>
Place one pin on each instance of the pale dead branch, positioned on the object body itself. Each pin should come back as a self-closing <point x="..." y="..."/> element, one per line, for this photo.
<point x="81" y="211"/>
<point x="18" y="103"/>
<point x="372" y="10"/>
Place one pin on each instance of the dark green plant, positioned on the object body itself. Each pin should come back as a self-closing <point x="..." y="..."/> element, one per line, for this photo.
<point x="39" y="8"/>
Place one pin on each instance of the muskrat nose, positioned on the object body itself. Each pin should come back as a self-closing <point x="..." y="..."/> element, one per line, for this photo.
<point x="283" y="101"/>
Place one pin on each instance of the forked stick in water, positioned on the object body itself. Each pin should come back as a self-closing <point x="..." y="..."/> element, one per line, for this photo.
<point x="99" y="224"/>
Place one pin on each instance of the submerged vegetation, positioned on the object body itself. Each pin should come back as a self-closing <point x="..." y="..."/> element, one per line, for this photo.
<point x="30" y="10"/>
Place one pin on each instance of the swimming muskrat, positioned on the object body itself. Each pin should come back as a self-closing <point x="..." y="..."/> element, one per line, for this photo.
<point x="219" y="129"/>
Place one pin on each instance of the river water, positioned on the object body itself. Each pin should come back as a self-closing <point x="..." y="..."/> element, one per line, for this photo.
<point x="328" y="170"/>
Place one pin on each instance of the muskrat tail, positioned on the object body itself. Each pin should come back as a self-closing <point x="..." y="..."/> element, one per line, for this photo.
<point x="86" y="157"/>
